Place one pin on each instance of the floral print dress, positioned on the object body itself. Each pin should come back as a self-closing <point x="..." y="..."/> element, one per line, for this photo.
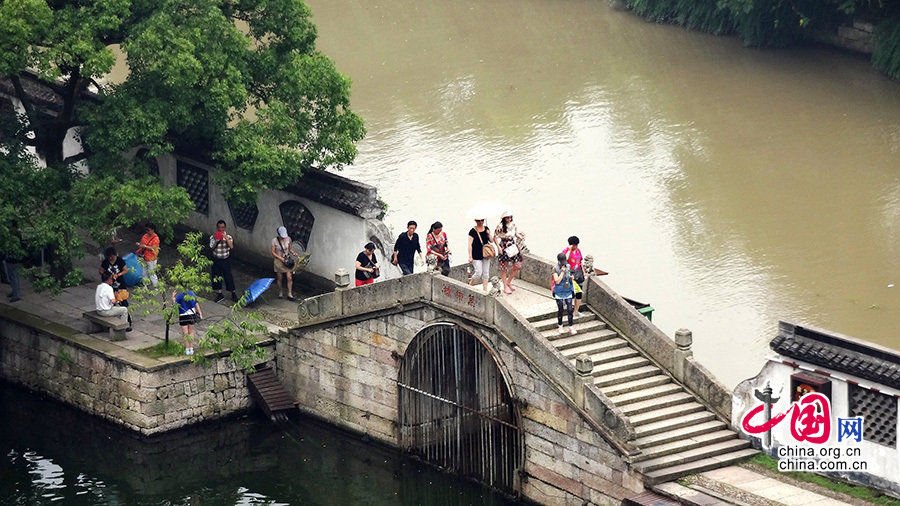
<point x="507" y="238"/>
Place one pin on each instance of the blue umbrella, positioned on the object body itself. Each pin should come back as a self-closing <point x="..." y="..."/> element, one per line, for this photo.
<point x="135" y="271"/>
<point x="256" y="289"/>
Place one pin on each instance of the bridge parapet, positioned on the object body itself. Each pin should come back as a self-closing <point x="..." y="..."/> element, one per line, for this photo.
<point x="658" y="346"/>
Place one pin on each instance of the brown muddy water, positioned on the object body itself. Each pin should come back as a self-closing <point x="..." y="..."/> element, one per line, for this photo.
<point x="728" y="187"/>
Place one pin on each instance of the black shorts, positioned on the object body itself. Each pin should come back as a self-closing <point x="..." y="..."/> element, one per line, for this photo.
<point x="188" y="319"/>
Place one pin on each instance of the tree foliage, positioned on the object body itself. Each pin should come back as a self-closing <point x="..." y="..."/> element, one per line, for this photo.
<point x="765" y="23"/>
<point x="239" y="82"/>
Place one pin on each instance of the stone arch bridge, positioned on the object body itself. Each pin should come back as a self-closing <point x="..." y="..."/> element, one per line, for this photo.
<point x="485" y="387"/>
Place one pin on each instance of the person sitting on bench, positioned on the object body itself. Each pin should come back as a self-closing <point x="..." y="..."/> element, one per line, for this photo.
<point x="105" y="300"/>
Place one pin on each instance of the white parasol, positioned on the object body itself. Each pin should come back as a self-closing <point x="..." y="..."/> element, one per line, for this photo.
<point x="486" y="210"/>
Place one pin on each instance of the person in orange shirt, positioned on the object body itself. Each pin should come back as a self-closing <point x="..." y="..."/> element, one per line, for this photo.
<point x="148" y="251"/>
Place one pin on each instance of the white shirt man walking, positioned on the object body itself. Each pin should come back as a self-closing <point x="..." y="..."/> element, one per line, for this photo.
<point x="105" y="300"/>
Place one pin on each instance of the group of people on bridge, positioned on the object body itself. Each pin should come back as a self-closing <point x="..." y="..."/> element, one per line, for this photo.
<point x="483" y="246"/>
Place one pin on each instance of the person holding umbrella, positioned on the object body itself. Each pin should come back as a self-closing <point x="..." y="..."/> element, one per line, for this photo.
<point x="510" y="259"/>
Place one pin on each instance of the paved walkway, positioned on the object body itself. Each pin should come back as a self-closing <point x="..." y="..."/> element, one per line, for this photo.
<point x="736" y="485"/>
<point x="66" y="308"/>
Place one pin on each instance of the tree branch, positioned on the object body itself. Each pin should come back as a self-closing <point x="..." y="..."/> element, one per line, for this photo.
<point x="26" y="101"/>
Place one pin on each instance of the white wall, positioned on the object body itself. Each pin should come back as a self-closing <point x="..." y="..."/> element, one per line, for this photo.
<point x="883" y="462"/>
<point x="336" y="237"/>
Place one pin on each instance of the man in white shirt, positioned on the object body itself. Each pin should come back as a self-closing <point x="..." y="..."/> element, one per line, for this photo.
<point x="105" y="300"/>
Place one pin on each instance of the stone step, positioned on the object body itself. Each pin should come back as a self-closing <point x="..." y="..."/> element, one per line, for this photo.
<point x="548" y="322"/>
<point x="645" y="394"/>
<point x="610" y="344"/>
<point x="621" y="365"/>
<point x="684" y="408"/>
<point x="672" y="423"/>
<point x="680" y="433"/>
<point x="692" y="455"/>
<point x="626" y="376"/>
<point x="615" y="355"/>
<point x="580" y="327"/>
<point x="657" y="402"/>
<point x="698" y="466"/>
<point x="684" y="444"/>
<point x="636" y="385"/>
<point x="565" y="341"/>
<point x="691" y="496"/>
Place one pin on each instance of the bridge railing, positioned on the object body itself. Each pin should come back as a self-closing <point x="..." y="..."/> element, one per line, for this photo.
<point x="649" y="338"/>
<point x="471" y="303"/>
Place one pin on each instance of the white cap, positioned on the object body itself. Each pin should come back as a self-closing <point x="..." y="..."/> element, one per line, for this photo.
<point x="282" y="232"/>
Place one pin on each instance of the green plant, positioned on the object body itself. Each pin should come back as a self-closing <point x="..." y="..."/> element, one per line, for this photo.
<point x="64" y="356"/>
<point x="237" y="332"/>
<point x="857" y="491"/>
<point x="163" y="349"/>
<point x="886" y="50"/>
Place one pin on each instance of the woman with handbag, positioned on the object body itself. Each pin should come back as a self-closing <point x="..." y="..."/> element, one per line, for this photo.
<point x="573" y="257"/>
<point x="481" y="251"/>
<point x="367" y="268"/>
<point x="436" y="244"/>
<point x="510" y="258"/>
<point x="285" y="258"/>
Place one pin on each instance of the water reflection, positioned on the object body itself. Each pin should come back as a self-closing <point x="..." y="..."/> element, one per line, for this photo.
<point x="729" y="187"/>
<point x="54" y="454"/>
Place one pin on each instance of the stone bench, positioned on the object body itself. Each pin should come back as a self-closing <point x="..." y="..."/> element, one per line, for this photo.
<point x="96" y="323"/>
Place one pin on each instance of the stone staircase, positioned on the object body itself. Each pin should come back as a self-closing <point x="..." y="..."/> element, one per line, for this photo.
<point x="677" y="435"/>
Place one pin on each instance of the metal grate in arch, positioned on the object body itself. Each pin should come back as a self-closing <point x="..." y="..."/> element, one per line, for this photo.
<point x="298" y="221"/>
<point x="456" y="411"/>
<point x="196" y="182"/>
<point x="879" y="412"/>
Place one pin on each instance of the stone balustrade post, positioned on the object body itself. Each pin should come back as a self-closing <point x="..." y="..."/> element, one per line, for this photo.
<point x="584" y="367"/>
<point x="683" y="341"/>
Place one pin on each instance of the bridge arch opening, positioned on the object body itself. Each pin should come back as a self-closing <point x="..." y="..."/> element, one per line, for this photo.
<point x="456" y="411"/>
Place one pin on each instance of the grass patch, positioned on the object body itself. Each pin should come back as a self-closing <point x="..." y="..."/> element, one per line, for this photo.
<point x="857" y="491"/>
<point x="161" y="350"/>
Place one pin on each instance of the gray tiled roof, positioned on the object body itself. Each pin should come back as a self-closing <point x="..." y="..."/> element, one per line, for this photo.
<point x="339" y="192"/>
<point x="39" y="91"/>
<point x="839" y="353"/>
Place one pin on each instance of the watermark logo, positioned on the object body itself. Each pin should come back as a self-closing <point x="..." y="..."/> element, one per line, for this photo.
<point x="810" y="419"/>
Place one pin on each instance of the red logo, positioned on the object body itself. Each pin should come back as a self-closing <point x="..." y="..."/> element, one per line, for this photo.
<point x="810" y="419"/>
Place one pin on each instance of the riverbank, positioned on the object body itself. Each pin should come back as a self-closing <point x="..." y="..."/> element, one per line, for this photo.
<point x="44" y="347"/>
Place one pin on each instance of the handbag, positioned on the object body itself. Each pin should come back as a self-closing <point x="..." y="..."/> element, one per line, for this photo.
<point x="579" y="275"/>
<point x="487" y="251"/>
<point x="289" y="259"/>
<point x="511" y="250"/>
<point x="376" y="273"/>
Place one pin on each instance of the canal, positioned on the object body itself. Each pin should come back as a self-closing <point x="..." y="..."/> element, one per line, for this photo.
<point x="729" y="187"/>
<point x="53" y="454"/>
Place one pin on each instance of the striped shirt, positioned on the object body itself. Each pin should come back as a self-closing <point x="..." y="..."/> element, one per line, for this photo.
<point x="220" y="248"/>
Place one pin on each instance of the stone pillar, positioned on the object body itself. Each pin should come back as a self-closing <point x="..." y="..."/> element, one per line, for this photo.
<point x="342" y="279"/>
<point x="683" y="341"/>
<point x="584" y="367"/>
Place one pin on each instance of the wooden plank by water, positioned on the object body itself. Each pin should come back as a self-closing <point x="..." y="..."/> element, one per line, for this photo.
<point x="268" y="393"/>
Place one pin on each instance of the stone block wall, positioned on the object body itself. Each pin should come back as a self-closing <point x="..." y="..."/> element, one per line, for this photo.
<point x="345" y="370"/>
<point x="116" y="384"/>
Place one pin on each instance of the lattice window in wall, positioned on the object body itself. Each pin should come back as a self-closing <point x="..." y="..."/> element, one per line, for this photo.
<point x="196" y="181"/>
<point x="244" y="215"/>
<point x="149" y="161"/>
<point x="298" y="221"/>
<point x="879" y="412"/>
